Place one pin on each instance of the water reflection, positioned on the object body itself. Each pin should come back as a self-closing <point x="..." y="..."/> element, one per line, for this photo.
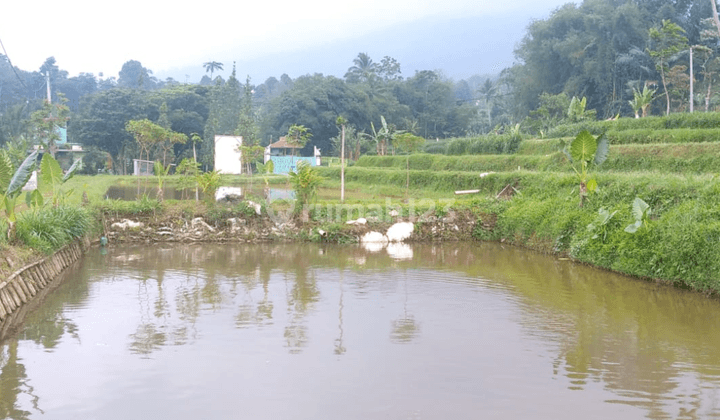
<point x="439" y="322"/>
<point x="404" y="329"/>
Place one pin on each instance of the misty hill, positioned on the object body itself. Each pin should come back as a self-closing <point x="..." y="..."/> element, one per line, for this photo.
<point x="459" y="48"/>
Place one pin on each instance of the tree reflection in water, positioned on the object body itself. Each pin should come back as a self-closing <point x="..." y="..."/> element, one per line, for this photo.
<point x="13" y="383"/>
<point x="300" y="300"/>
<point x="651" y="347"/>
<point x="339" y="347"/>
<point x="405" y="329"/>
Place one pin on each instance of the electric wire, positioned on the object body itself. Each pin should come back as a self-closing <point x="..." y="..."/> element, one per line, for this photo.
<point x="11" y="65"/>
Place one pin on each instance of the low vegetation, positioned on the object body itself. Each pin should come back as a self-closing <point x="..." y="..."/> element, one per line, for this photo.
<point x="654" y="212"/>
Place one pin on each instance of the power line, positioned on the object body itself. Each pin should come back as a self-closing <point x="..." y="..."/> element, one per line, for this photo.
<point x="11" y="65"/>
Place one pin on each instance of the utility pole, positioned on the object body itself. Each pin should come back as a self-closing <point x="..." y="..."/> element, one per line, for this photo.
<point x="691" y="80"/>
<point x="342" y="166"/>
<point x="341" y="121"/>
<point x="47" y="83"/>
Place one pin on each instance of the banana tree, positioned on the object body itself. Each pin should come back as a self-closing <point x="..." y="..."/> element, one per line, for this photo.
<point x="384" y="136"/>
<point x="641" y="101"/>
<point x="584" y="152"/>
<point x="51" y="174"/>
<point x="265" y="169"/>
<point x="11" y="186"/>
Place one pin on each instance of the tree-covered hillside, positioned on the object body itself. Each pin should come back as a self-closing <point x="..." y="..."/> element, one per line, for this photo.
<point x="597" y="60"/>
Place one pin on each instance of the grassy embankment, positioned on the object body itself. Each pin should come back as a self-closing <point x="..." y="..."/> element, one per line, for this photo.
<point x="676" y="178"/>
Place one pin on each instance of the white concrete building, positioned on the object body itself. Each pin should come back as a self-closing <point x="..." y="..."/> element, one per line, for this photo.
<point x="227" y="154"/>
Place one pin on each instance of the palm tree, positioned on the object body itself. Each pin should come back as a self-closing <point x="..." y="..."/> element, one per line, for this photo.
<point x="487" y="91"/>
<point x="363" y="70"/>
<point x="211" y="66"/>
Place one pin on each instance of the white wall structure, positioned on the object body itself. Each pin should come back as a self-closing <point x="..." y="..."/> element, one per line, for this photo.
<point x="227" y="154"/>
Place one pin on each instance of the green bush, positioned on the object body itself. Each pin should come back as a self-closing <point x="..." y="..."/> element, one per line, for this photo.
<point x="436" y="148"/>
<point x="49" y="229"/>
<point x="694" y="120"/>
<point x="542" y="147"/>
<point x="144" y="205"/>
<point x="458" y="146"/>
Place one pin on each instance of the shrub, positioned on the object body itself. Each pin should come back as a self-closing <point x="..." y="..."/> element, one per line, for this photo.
<point x="458" y="146"/>
<point x="436" y="148"/>
<point x="51" y="228"/>
<point x="305" y="182"/>
<point x="143" y="205"/>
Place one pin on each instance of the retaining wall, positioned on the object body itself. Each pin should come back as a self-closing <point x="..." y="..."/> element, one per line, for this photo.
<point x="18" y="289"/>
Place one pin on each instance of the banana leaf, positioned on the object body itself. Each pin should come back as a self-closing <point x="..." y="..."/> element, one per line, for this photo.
<point x="74" y="168"/>
<point x="22" y="175"/>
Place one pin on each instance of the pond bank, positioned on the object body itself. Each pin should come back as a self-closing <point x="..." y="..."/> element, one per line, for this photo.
<point x="156" y="228"/>
<point x="520" y="222"/>
<point x="29" y="281"/>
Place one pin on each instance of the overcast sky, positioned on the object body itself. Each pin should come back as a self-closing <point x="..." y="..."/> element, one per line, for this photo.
<point x="175" y="38"/>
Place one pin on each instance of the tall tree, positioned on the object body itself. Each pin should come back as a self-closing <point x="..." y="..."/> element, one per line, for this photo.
<point x="363" y="69"/>
<point x="101" y="122"/>
<point x="247" y="124"/>
<point x="298" y="135"/>
<point x="487" y="92"/>
<point x="668" y="40"/>
<point x="389" y="69"/>
<point x="315" y="101"/>
<point x="212" y="66"/>
<point x="716" y="20"/>
<point x="133" y="75"/>
<point x="48" y="123"/>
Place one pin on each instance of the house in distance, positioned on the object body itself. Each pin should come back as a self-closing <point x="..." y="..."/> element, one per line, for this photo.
<point x="282" y="154"/>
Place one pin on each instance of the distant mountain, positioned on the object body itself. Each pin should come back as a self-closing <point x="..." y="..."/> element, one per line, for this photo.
<point x="459" y="47"/>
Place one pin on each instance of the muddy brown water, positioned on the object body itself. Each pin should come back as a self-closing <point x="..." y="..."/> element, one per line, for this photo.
<point x="461" y="331"/>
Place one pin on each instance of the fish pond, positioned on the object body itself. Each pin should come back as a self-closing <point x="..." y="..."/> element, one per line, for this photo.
<point x="462" y="331"/>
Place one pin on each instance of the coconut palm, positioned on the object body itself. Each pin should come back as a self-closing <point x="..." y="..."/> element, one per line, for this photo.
<point x="211" y="66"/>
<point x="363" y="69"/>
<point x="487" y="92"/>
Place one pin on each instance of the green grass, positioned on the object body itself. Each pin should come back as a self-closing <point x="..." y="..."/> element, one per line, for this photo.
<point x="697" y="120"/>
<point x="50" y="228"/>
<point x="676" y="135"/>
<point x="694" y="158"/>
<point x="678" y="246"/>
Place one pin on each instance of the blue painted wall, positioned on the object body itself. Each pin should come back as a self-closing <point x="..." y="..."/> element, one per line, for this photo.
<point x="285" y="164"/>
